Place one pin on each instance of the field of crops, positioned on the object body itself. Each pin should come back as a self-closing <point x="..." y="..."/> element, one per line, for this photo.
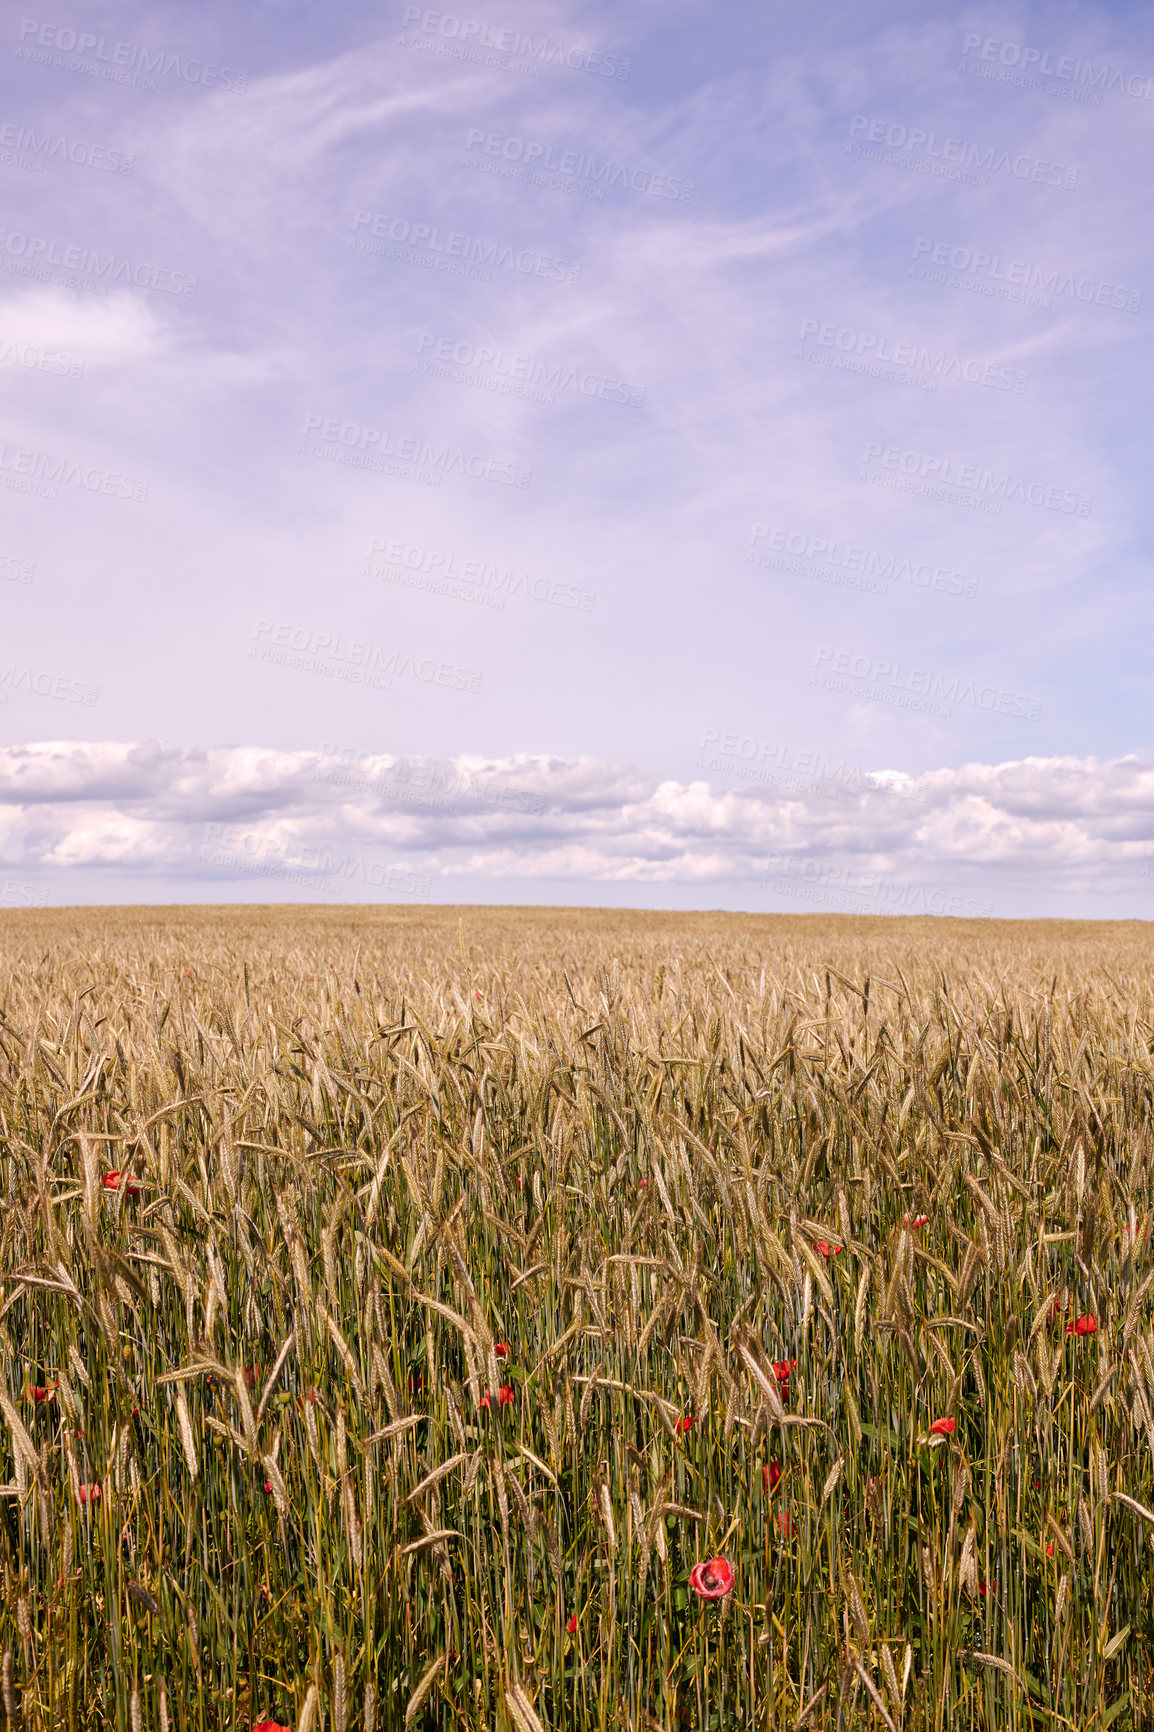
<point x="555" y="1321"/>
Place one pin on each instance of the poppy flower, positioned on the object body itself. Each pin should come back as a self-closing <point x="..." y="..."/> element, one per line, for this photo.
<point x="1050" y="1549"/>
<point x="770" y="1477"/>
<point x="38" y="1393"/>
<point x="943" y="1427"/>
<point x="501" y="1350"/>
<point x="88" y="1493"/>
<point x="505" y="1394"/>
<point x="268" y="1486"/>
<point x="270" y="1726"/>
<point x="1055" y="1311"/>
<point x="484" y="1401"/>
<point x="252" y="1375"/>
<point x="111" y="1182"/>
<point x="417" y="1384"/>
<point x="982" y="1587"/>
<point x="781" y="1369"/>
<point x="685" y="1424"/>
<point x="785" y="1524"/>
<point x="571" y="1626"/>
<point x="916" y="1220"/>
<point x="827" y="1251"/>
<point x="712" y="1579"/>
<point x="1082" y="1326"/>
<point x="643" y="1184"/>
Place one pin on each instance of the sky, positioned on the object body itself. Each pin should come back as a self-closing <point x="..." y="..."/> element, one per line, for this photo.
<point x="682" y="455"/>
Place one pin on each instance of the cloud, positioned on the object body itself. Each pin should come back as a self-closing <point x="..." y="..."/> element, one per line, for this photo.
<point x="116" y="330"/>
<point x="225" y="813"/>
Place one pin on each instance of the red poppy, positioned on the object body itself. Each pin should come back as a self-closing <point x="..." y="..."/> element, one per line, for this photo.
<point x="982" y="1587"/>
<point x="770" y="1477"/>
<point x="88" y="1493"/>
<point x="416" y="1384"/>
<point x="484" y="1401"/>
<point x="571" y="1626"/>
<point x="685" y="1424"/>
<point x="112" y="1183"/>
<point x="1055" y="1311"/>
<point x="827" y="1251"/>
<point x="270" y="1726"/>
<point x="916" y="1220"/>
<point x="943" y="1427"/>
<point x="781" y="1369"/>
<point x="1050" y="1549"/>
<point x="505" y="1394"/>
<point x="501" y="1350"/>
<point x="785" y="1524"/>
<point x="643" y="1184"/>
<point x="268" y="1486"/>
<point x="1082" y="1326"/>
<point x="712" y="1579"/>
<point x="253" y="1375"/>
<point x="37" y="1392"/>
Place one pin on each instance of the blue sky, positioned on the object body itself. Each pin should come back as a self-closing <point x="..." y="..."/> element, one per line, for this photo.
<point x="681" y="455"/>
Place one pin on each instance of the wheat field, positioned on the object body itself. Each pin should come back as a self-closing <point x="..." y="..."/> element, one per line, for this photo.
<point x="560" y="1320"/>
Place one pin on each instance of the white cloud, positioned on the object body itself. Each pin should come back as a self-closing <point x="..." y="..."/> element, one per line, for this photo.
<point x="219" y="814"/>
<point x="112" y="330"/>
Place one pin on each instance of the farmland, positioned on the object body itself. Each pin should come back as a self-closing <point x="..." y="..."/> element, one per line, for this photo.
<point x="397" y="1309"/>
